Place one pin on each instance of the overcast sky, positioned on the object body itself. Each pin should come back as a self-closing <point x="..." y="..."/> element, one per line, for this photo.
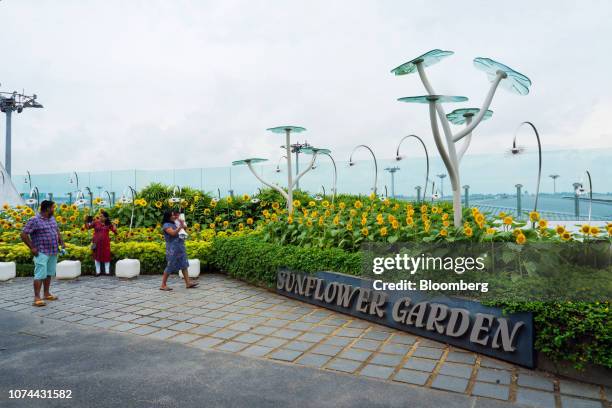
<point x="161" y="84"/>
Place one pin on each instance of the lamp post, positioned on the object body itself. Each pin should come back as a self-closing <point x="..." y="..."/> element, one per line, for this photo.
<point x="441" y="177"/>
<point x="554" y="178"/>
<point x="399" y="157"/>
<point x="392" y="170"/>
<point x="580" y="190"/>
<point x="577" y="200"/>
<point x="74" y="180"/>
<point x="466" y="192"/>
<point x="516" y="150"/>
<point x="352" y="163"/>
<point x="10" y="102"/>
<point x="418" y="190"/>
<point x="497" y="73"/>
<point x="519" y="208"/>
<point x="28" y="179"/>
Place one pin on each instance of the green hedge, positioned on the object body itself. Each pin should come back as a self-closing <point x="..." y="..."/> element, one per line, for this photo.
<point x="255" y="261"/>
<point x="152" y="255"/>
<point x="578" y="332"/>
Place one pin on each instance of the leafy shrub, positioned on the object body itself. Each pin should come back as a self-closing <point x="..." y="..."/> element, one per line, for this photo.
<point x="152" y="255"/>
<point x="578" y="332"/>
<point x="253" y="260"/>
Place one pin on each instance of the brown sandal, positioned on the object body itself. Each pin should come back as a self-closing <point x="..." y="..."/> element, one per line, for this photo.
<point x="51" y="297"/>
<point x="166" y="289"/>
<point x="39" y="303"/>
<point x="193" y="285"/>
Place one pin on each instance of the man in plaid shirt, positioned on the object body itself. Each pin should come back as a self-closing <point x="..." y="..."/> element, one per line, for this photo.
<point x="43" y="238"/>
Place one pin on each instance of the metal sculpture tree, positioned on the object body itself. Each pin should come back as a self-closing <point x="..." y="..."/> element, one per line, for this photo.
<point x="499" y="75"/>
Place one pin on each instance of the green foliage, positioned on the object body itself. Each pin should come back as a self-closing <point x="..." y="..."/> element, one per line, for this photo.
<point x="253" y="260"/>
<point x="578" y="332"/>
<point x="152" y="255"/>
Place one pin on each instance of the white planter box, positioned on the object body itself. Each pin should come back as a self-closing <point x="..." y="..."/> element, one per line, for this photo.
<point x="8" y="270"/>
<point x="68" y="270"/>
<point x="194" y="268"/>
<point x="127" y="268"/>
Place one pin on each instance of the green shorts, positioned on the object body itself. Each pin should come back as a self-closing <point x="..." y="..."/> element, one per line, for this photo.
<point x="44" y="266"/>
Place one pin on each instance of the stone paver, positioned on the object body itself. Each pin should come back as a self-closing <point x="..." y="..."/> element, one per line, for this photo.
<point x="234" y="317"/>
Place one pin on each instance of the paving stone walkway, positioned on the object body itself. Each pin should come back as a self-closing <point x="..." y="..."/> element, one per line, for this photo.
<point x="231" y="316"/>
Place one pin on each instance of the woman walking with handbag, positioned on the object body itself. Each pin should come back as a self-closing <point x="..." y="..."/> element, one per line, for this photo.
<point x="100" y="246"/>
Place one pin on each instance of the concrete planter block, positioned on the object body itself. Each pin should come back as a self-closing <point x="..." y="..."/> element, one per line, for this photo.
<point x="194" y="268"/>
<point x="68" y="269"/>
<point x="8" y="270"/>
<point x="127" y="268"/>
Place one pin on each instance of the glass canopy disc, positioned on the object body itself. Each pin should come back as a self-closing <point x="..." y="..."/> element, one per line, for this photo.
<point x="247" y="161"/>
<point x="459" y="116"/>
<point x="313" y="150"/>
<point x="514" y="82"/>
<point x="433" y="98"/>
<point x="429" y="58"/>
<point x="283" y="129"/>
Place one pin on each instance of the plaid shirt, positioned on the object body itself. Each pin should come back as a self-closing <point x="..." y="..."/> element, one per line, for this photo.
<point x="44" y="234"/>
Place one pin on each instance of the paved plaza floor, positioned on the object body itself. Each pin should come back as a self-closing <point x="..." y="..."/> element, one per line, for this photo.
<point x="246" y="342"/>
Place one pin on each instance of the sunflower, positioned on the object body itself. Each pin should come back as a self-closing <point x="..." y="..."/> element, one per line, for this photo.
<point x="336" y="220"/>
<point x="508" y="220"/>
<point x="566" y="236"/>
<point x="585" y="229"/>
<point x="560" y="229"/>
<point x="521" y="239"/>
<point x="325" y="203"/>
<point x="534" y="216"/>
<point x="238" y="213"/>
<point x="297" y="203"/>
<point x="364" y="221"/>
<point x="424" y="208"/>
<point x="158" y="204"/>
<point x="409" y="221"/>
<point x="349" y="227"/>
<point x="312" y="204"/>
<point x="212" y="225"/>
<point x="446" y="223"/>
<point x="358" y="204"/>
<point x="225" y="224"/>
<point x="395" y="224"/>
<point x="543" y="223"/>
<point x="289" y="220"/>
<point x="490" y="231"/>
<point x="468" y="231"/>
<point x="249" y="221"/>
<point x="502" y="214"/>
<point x="245" y="197"/>
<point x="364" y="231"/>
<point x="443" y="232"/>
<point x="594" y="230"/>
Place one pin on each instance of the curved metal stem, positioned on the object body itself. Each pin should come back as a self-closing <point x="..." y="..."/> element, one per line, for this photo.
<point x="398" y="157"/>
<point x="375" y="163"/>
<point x="133" y="193"/>
<point x="537" y="135"/>
<point x="467" y="141"/>
<point x="590" y="193"/>
<point x="306" y="170"/>
<point x="275" y="187"/>
<point x="485" y="106"/>
<point x="335" y="175"/>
